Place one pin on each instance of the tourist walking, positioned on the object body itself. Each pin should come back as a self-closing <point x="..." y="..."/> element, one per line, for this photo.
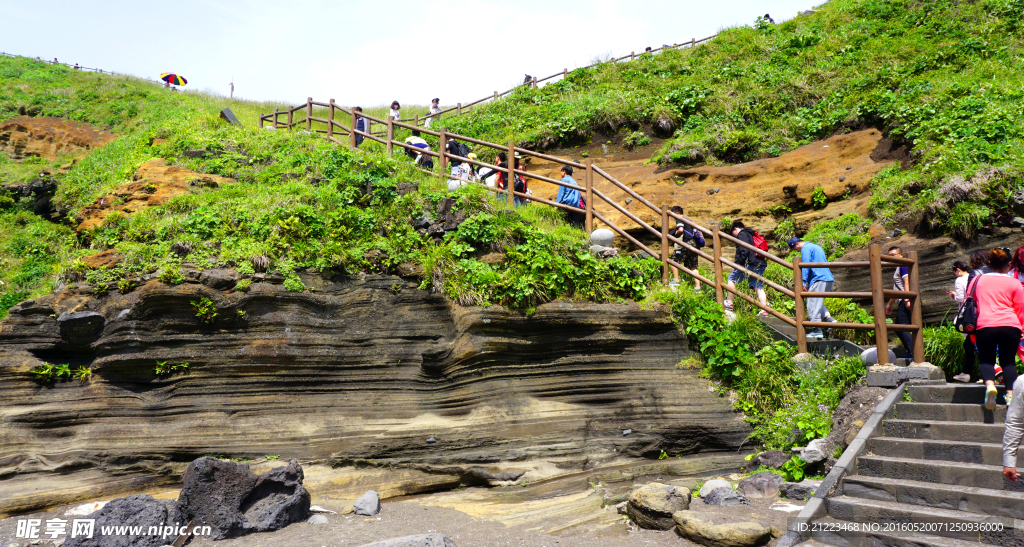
<point x="1017" y="268"/>
<point x="361" y="125"/>
<point x="903" y="305"/>
<point x="434" y="111"/>
<point x="1000" y="301"/>
<point x="753" y="263"/>
<point x="568" y="196"/>
<point x="814" y="280"/>
<point x="959" y="293"/>
<point x="395" y="111"/>
<point x="978" y="264"/>
<point x="691" y="236"/>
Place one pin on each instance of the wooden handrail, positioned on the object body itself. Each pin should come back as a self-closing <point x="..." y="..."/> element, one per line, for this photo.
<point x="718" y="238"/>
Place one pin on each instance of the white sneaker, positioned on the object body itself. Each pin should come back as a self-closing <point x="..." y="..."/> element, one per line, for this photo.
<point x="963" y="377"/>
<point x="763" y="313"/>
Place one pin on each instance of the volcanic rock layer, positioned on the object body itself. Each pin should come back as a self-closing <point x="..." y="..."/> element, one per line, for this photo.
<point x="361" y="373"/>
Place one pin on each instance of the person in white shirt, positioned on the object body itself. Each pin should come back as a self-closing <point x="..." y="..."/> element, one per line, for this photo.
<point x="395" y="107"/>
<point x="959" y="293"/>
<point x="435" y="109"/>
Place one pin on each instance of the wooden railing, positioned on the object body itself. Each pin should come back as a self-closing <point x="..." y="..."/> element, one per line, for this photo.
<point x="84" y="68"/>
<point x="593" y="176"/>
<point x="460" y="108"/>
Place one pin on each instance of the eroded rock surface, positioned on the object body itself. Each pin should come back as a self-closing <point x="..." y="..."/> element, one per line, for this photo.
<point x="154" y="184"/>
<point x="353" y="378"/>
<point x="49" y="138"/>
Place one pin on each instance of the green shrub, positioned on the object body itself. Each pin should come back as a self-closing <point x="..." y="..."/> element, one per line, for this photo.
<point x="636" y="139"/>
<point x="943" y="347"/>
<point x="205" y="310"/>
<point x="818" y="198"/>
<point x="165" y="367"/>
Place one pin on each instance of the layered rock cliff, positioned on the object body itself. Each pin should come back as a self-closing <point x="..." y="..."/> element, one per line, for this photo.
<point x="361" y="373"/>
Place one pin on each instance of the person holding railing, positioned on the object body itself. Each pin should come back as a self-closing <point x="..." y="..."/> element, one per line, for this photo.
<point x="900" y="283"/>
<point x="814" y="280"/>
<point x="749" y="262"/>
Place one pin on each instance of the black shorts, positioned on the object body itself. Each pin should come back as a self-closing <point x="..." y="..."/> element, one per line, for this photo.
<point x="686" y="257"/>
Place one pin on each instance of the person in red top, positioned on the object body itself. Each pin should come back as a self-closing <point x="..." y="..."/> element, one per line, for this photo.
<point x="1000" y="300"/>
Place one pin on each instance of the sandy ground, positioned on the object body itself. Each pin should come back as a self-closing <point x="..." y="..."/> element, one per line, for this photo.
<point x="418" y="516"/>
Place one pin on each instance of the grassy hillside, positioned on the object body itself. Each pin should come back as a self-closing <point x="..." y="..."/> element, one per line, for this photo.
<point x="301" y="203"/>
<point x="942" y="76"/>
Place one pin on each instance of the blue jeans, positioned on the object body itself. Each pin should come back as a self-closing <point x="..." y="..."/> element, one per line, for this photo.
<point x="737" y="276"/>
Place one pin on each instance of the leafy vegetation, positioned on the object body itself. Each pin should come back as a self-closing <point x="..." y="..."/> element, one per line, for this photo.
<point x="165" y="367"/>
<point x="942" y="76"/>
<point x="46" y="373"/>
<point x="788" y="404"/>
<point x="300" y="204"/>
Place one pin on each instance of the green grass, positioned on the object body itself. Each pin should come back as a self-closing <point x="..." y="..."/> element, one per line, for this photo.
<point x="943" y="76"/>
<point x="300" y="204"/>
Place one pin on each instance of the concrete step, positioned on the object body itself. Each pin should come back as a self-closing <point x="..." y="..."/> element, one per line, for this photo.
<point x="936" y="412"/>
<point x="925" y="521"/>
<point x="997" y="503"/>
<point x="971" y="394"/>
<point x="954" y="473"/>
<point x="840" y="533"/>
<point x="950" y="451"/>
<point x="944" y="431"/>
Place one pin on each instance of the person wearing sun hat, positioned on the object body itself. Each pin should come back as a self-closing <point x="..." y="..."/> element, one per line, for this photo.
<point x="815" y="280"/>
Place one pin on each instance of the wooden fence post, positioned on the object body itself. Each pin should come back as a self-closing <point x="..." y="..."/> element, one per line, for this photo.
<point x="391" y="134"/>
<point x="632" y="55"/>
<point x="442" y="140"/>
<point x="261" y="121"/>
<point x="309" y="113"/>
<point x="352" y="129"/>
<point x="588" y="180"/>
<point x="693" y="42"/>
<point x="458" y="109"/>
<point x="878" y="304"/>
<point x="291" y="114"/>
<point x="718" y="262"/>
<point x="664" y="244"/>
<point x="495" y="95"/>
<point x="916" y="313"/>
<point x="275" y="118"/>
<point x="330" y="120"/>
<point x="510" y="180"/>
<point x="534" y="82"/>
<point x="799" y="311"/>
<point x="565" y="73"/>
<point x="416" y="120"/>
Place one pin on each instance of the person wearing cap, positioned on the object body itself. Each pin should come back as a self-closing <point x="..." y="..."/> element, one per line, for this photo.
<point x="814" y="280"/>
<point x="434" y="111"/>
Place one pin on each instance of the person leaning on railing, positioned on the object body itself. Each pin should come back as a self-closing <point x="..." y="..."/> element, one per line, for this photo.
<point x="573" y="198"/>
<point x="814" y="280"/>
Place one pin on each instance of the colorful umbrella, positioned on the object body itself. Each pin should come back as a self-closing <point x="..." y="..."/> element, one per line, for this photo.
<point x="173" y="78"/>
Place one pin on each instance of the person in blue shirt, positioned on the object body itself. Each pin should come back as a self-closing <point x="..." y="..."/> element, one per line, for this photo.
<point x="815" y="280"/>
<point x="568" y="196"/>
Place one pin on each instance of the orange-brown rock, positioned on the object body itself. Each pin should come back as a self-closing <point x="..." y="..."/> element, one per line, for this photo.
<point x="153" y="184"/>
<point x="108" y="258"/>
<point x="50" y="137"/>
<point x="840" y="165"/>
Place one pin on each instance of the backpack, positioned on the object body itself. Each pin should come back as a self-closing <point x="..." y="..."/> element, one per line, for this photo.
<point x="583" y="202"/>
<point x="520" y="185"/>
<point x="758" y="240"/>
<point x="967" y="317"/>
<point x="459" y="149"/>
<point x="696" y="236"/>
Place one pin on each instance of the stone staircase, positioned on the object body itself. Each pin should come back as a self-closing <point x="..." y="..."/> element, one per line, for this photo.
<point x="930" y="477"/>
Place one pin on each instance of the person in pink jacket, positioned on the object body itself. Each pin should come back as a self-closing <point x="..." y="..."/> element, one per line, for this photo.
<point x="1000" y="300"/>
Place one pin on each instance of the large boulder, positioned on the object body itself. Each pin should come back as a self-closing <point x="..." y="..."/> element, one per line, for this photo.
<point x="419" y="540"/>
<point x="799" y="490"/>
<point x="736" y="534"/>
<point x="760" y="485"/>
<point x="219" y="278"/>
<point x="724" y="497"/>
<point x="651" y="506"/>
<point x="233" y="501"/>
<point x="816" y="451"/>
<point x="367" y="505"/>
<point x="139" y="510"/>
<point x="714" y="484"/>
<point x="80" y="328"/>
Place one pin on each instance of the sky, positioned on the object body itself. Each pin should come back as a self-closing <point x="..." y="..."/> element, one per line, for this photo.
<point x="362" y="53"/>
